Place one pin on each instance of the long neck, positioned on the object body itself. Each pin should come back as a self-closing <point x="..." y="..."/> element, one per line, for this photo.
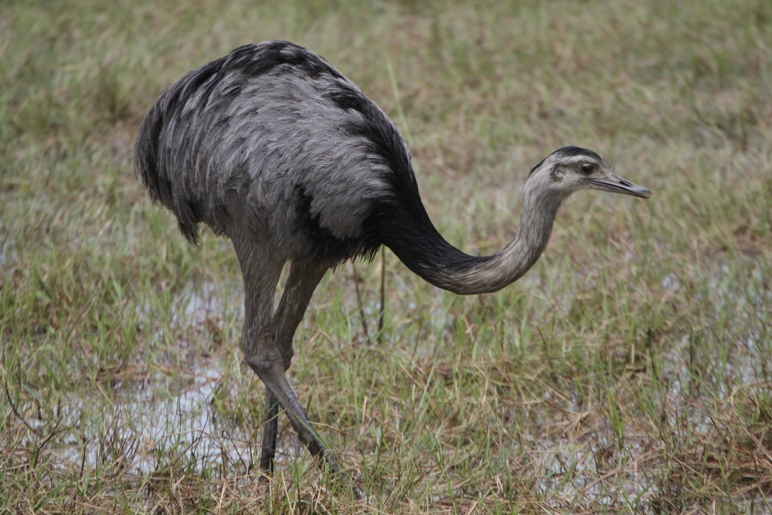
<point x="418" y="244"/>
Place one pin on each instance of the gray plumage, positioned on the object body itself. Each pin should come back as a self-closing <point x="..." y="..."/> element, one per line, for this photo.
<point x="273" y="147"/>
<point x="268" y="145"/>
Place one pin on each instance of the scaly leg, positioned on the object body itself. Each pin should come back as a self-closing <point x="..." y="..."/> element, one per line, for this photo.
<point x="261" y="274"/>
<point x="270" y="429"/>
<point x="303" y="278"/>
<point x="266" y="362"/>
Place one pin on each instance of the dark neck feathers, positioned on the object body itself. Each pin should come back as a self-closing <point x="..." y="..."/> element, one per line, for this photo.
<point x="406" y="229"/>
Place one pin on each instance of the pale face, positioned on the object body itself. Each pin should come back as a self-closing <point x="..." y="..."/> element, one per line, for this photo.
<point x="572" y="169"/>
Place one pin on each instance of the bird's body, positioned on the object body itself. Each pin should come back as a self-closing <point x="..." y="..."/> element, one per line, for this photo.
<point x="279" y="151"/>
<point x="272" y="136"/>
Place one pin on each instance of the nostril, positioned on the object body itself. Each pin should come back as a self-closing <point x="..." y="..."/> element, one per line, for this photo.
<point x="625" y="183"/>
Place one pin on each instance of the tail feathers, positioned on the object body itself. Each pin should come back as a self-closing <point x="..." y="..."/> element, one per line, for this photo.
<point x="150" y="171"/>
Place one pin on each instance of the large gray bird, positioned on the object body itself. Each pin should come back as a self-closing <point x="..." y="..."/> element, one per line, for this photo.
<point x="273" y="147"/>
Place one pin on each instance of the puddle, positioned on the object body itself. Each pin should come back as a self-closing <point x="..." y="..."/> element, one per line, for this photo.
<point x="162" y="417"/>
<point x="140" y="429"/>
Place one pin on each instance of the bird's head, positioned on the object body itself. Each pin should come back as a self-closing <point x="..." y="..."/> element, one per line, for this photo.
<point x="571" y="169"/>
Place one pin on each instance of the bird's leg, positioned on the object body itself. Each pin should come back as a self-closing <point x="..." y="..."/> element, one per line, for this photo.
<point x="270" y="370"/>
<point x="261" y="274"/>
<point x="303" y="278"/>
<point x="270" y="429"/>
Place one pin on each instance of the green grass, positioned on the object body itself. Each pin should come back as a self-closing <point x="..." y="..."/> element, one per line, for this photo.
<point x="629" y="372"/>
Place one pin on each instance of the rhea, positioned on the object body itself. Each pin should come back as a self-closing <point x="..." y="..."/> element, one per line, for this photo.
<point x="277" y="150"/>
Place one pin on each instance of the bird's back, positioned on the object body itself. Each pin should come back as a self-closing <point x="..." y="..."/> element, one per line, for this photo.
<point x="271" y="142"/>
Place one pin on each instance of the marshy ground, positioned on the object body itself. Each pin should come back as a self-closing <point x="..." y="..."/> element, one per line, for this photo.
<point x="629" y="372"/>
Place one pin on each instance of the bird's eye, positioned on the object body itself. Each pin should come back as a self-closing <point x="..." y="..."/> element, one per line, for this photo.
<point x="588" y="168"/>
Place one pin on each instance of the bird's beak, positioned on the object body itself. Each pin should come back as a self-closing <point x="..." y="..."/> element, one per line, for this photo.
<point x="617" y="184"/>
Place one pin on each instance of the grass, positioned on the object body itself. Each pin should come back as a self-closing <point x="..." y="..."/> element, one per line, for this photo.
<point x="629" y="372"/>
